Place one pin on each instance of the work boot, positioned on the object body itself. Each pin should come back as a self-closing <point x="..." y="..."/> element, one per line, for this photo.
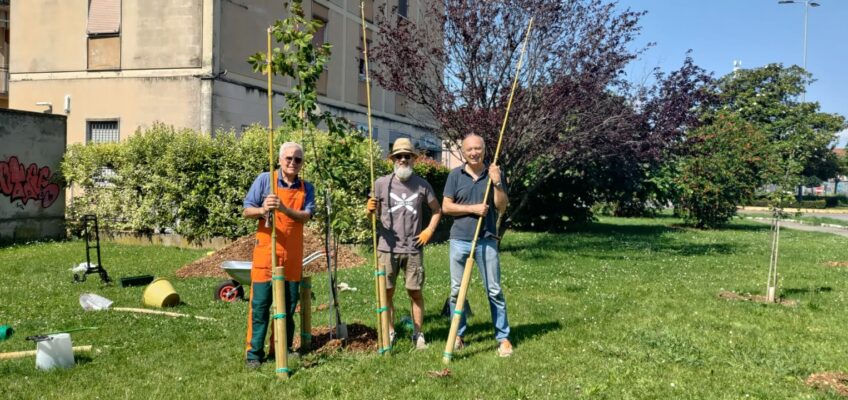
<point x="459" y="344"/>
<point x="419" y="341"/>
<point x="505" y="348"/>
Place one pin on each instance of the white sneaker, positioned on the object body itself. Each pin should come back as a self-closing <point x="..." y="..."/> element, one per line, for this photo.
<point x="419" y="341"/>
<point x="392" y="338"/>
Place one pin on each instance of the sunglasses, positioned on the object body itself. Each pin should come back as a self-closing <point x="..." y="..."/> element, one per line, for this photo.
<point x="403" y="157"/>
<point x="295" y="160"/>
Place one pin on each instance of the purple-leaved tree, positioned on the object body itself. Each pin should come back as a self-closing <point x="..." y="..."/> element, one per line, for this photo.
<point x="574" y="117"/>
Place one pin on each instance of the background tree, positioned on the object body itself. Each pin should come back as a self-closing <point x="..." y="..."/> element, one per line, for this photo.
<point x="726" y="162"/>
<point x="576" y="123"/>
<point x="799" y="134"/>
<point x="842" y="170"/>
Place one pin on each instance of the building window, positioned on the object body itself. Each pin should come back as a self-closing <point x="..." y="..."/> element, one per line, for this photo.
<point x="361" y="70"/>
<point x="102" y="131"/>
<point x="403" y="8"/>
<point x="322" y="14"/>
<point x="104" y="34"/>
<point x="369" y="10"/>
<point x="395" y="135"/>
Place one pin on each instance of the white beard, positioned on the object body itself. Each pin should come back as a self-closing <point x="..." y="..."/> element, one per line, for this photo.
<point x="403" y="172"/>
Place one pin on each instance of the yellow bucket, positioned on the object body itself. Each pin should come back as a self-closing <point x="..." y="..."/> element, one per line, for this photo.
<point x="160" y="293"/>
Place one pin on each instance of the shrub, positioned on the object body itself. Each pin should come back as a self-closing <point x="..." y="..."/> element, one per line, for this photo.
<point x="165" y="179"/>
<point x="725" y="164"/>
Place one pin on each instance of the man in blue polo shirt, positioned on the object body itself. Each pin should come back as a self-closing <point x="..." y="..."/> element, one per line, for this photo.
<point x="463" y="200"/>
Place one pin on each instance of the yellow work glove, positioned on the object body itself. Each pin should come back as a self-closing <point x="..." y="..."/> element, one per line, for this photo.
<point x="371" y="205"/>
<point x="424" y="237"/>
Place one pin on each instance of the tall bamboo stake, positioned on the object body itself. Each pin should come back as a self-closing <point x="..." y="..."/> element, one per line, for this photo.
<point x="281" y="354"/>
<point x="469" y="263"/>
<point x="305" y="314"/>
<point x="380" y="273"/>
<point x="771" y="285"/>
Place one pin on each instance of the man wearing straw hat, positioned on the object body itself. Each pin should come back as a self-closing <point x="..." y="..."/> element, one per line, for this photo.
<point x="399" y="200"/>
<point x="463" y="200"/>
<point x="292" y="203"/>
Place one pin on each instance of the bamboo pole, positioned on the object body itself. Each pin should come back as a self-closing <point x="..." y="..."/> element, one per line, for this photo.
<point x="281" y="354"/>
<point x="305" y="314"/>
<point x="469" y="263"/>
<point x="155" y="312"/>
<point x="21" y="354"/>
<point x="380" y="273"/>
<point x="771" y="289"/>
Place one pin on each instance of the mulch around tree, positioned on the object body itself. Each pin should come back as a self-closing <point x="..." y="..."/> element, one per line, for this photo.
<point x="836" y="381"/>
<point x="727" y="295"/>
<point x="242" y="250"/>
<point x="360" y="338"/>
<point x="836" y="264"/>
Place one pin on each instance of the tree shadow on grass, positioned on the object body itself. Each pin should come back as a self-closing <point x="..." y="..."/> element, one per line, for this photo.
<point x="603" y="241"/>
<point x="793" y="291"/>
<point x="486" y="344"/>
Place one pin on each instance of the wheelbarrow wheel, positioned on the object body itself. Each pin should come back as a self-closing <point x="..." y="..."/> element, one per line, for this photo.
<point x="229" y="291"/>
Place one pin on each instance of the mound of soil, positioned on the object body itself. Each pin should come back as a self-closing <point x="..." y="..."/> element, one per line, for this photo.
<point x="360" y="338"/>
<point x="242" y="250"/>
<point x="837" y="381"/>
<point x="755" y="298"/>
<point x="836" y="264"/>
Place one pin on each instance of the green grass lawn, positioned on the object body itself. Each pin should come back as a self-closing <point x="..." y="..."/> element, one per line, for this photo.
<point x="626" y="308"/>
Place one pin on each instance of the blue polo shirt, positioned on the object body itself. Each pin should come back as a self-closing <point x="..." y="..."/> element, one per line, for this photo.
<point x="259" y="189"/>
<point x="463" y="189"/>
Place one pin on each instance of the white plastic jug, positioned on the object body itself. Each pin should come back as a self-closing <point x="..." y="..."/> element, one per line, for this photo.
<point x="54" y="352"/>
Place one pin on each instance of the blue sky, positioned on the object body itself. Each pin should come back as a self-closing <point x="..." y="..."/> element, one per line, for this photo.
<point x="757" y="32"/>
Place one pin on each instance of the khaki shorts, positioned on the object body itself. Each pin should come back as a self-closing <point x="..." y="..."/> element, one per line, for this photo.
<point x="412" y="264"/>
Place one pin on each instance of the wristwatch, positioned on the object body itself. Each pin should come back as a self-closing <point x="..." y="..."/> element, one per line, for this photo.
<point x="497" y="184"/>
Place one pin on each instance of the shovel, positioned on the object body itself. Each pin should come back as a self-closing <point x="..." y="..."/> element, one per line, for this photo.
<point x="341" y="328"/>
<point x="91" y="301"/>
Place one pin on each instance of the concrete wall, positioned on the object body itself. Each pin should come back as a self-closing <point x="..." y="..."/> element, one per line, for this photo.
<point x="161" y="34"/>
<point x="165" y="48"/>
<point x="135" y="102"/>
<point x="154" y="34"/>
<point x="239" y="97"/>
<point x="32" y="206"/>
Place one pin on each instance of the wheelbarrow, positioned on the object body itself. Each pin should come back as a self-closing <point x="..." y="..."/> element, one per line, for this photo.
<point x="231" y="290"/>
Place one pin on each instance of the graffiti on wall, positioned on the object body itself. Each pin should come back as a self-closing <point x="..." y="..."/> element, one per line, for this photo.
<point x="23" y="184"/>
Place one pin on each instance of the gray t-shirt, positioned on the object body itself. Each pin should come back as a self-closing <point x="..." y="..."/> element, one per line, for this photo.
<point x="401" y="208"/>
<point x="463" y="189"/>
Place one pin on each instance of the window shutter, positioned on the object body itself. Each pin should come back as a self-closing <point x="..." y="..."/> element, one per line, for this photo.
<point x="104" y="17"/>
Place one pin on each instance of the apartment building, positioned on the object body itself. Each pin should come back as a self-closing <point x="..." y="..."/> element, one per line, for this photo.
<point x="112" y="66"/>
<point x="4" y="53"/>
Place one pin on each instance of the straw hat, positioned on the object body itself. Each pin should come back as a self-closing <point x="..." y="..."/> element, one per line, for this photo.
<point x="402" y="146"/>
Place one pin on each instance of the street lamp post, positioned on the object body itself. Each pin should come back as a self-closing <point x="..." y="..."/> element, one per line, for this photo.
<point x="807" y="4"/>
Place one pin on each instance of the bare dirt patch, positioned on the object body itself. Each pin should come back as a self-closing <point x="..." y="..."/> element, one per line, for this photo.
<point x="727" y="295"/>
<point x="836" y="381"/>
<point x="360" y="338"/>
<point x="242" y="250"/>
<point x="836" y="264"/>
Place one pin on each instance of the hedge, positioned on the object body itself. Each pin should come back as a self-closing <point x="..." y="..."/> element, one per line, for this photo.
<point x="164" y="179"/>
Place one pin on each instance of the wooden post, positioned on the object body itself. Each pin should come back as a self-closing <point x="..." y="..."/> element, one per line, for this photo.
<point x="278" y="274"/>
<point x="21" y="354"/>
<point x="306" y="314"/>
<point x="380" y="273"/>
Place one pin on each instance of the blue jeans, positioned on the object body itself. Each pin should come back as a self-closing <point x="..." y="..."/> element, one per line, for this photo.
<point x="488" y="263"/>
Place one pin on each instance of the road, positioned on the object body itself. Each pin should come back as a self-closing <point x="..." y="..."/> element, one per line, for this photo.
<point x="804" y="227"/>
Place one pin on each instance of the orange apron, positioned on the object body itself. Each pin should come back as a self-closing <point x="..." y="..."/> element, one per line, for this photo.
<point x="289" y="238"/>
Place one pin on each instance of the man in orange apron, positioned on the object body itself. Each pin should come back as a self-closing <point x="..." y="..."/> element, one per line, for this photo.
<point x="293" y="203"/>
